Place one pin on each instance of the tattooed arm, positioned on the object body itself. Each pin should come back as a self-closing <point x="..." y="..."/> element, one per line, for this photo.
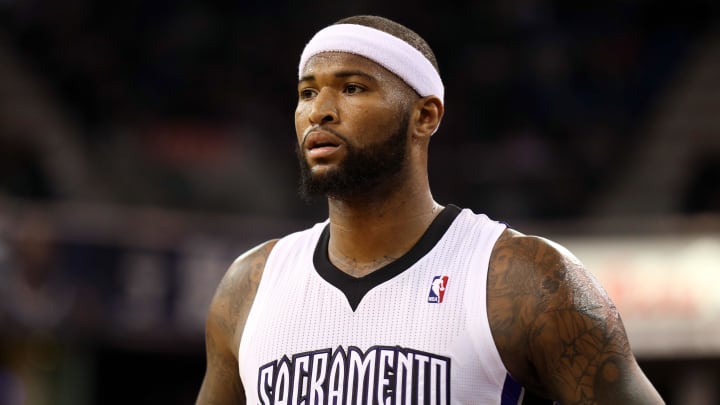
<point x="226" y="319"/>
<point x="556" y="330"/>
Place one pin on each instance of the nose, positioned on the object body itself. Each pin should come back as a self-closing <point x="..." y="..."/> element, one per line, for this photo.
<point x="324" y="110"/>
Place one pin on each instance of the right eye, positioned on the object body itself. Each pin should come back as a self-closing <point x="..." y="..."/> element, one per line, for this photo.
<point x="306" y="94"/>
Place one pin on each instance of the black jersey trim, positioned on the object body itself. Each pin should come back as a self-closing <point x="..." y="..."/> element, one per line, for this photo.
<point x="355" y="288"/>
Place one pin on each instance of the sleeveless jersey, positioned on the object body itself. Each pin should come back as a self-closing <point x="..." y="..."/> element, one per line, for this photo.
<point x="413" y="332"/>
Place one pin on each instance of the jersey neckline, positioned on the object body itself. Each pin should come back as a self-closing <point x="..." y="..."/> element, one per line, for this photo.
<point x="355" y="288"/>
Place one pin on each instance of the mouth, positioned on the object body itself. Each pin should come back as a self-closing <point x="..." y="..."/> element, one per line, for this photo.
<point x="321" y="144"/>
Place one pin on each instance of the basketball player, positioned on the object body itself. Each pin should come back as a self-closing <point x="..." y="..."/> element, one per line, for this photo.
<point x="396" y="299"/>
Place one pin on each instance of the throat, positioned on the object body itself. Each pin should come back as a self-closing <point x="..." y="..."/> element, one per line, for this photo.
<point x="362" y="245"/>
<point x="356" y="268"/>
<point x="357" y="278"/>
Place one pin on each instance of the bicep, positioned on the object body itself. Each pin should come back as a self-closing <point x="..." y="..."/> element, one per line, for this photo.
<point x="225" y="322"/>
<point x="578" y="344"/>
<point x="221" y="384"/>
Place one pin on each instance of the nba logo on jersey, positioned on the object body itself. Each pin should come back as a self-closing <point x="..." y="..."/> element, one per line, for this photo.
<point x="437" y="289"/>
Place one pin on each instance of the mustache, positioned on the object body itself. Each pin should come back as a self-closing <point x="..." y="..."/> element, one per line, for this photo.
<point x="318" y="127"/>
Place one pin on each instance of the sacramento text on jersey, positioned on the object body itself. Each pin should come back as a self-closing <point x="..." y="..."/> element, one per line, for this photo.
<point x="381" y="375"/>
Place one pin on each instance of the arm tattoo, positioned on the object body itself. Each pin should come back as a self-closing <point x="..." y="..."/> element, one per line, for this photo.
<point x="228" y="314"/>
<point x="556" y="327"/>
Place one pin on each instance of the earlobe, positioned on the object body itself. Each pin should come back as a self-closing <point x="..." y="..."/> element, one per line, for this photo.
<point x="429" y="113"/>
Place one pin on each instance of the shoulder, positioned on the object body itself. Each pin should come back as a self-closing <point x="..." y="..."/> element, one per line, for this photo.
<point x="527" y="275"/>
<point x="223" y="328"/>
<point x="550" y="319"/>
<point x="529" y="268"/>
<point x="235" y="293"/>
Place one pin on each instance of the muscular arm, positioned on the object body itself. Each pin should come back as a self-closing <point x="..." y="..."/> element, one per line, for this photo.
<point x="557" y="331"/>
<point x="226" y="319"/>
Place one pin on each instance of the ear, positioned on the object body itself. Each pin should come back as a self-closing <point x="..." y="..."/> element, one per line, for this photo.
<point x="428" y="114"/>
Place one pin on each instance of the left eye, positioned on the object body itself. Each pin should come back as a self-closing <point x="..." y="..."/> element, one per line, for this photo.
<point x="352" y="89"/>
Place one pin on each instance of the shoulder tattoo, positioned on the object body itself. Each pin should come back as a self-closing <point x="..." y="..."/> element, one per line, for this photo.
<point x="237" y="289"/>
<point x="547" y="308"/>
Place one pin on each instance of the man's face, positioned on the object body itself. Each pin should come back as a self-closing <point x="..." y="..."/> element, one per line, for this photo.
<point x="352" y="126"/>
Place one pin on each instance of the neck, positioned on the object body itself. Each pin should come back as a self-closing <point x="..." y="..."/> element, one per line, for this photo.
<point x="366" y="234"/>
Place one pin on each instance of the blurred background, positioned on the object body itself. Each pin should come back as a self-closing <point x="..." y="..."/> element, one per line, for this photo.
<point x="145" y="144"/>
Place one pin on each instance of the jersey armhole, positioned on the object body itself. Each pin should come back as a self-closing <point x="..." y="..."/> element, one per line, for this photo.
<point x="268" y="280"/>
<point x="478" y="318"/>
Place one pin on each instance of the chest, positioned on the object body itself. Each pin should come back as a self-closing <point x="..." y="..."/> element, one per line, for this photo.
<point x="423" y="308"/>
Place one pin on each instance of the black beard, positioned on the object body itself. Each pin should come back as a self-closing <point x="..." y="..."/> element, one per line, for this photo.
<point x="363" y="171"/>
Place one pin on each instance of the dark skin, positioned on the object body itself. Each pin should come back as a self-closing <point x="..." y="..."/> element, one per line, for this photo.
<point x="556" y="330"/>
<point x="226" y="319"/>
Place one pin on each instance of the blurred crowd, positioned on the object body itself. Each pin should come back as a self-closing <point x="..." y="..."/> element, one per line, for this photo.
<point x="189" y="104"/>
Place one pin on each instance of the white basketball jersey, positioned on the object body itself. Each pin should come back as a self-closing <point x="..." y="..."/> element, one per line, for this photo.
<point x="413" y="332"/>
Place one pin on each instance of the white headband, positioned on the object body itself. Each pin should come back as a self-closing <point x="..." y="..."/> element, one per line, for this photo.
<point x="389" y="51"/>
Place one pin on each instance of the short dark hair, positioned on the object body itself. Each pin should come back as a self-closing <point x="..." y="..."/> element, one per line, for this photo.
<point x="396" y="30"/>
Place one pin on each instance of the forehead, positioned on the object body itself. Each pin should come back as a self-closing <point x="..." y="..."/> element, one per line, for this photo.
<point x="333" y="62"/>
